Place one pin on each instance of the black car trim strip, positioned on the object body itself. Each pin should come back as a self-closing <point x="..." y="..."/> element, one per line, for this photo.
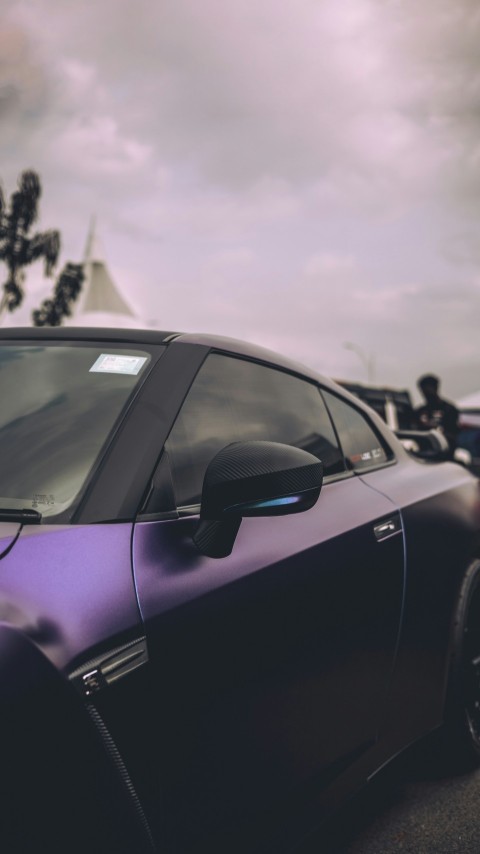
<point x="124" y="779"/>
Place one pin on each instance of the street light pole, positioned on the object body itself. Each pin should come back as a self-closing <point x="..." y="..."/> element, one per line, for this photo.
<point x="367" y="359"/>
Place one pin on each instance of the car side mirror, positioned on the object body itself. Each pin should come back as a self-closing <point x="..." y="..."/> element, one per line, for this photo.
<point x="426" y="444"/>
<point x="253" y="479"/>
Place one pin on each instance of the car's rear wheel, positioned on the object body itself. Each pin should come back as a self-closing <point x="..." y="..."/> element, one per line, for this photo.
<point x="462" y="716"/>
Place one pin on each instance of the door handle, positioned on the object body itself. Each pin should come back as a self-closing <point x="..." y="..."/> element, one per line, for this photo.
<point x="387" y="528"/>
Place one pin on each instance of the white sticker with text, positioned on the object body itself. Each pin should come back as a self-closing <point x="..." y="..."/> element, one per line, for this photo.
<point x="108" y="363"/>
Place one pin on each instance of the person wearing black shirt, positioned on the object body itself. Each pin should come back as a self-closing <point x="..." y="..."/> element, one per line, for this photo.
<point x="436" y="412"/>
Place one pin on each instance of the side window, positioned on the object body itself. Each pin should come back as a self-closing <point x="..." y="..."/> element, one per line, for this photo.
<point x="236" y="400"/>
<point x="362" y="446"/>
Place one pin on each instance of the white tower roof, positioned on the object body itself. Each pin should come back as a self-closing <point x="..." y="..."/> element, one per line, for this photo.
<point x="99" y="292"/>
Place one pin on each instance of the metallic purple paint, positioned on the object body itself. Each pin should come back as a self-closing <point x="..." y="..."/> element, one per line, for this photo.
<point x="70" y="589"/>
<point x="259" y="654"/>
<point x="302" y="662"/>
<point x="169" y="570"/>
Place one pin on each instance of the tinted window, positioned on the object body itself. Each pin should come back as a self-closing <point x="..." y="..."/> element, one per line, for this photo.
<point x="361" y="445"/>
<point x="234" y="400"/>
<point x="59" y="406"/>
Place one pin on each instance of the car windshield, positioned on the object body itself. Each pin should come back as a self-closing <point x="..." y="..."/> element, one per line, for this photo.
<point x="59" y="406"/>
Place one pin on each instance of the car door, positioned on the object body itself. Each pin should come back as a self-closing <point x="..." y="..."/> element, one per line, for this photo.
<point x="268" y="668"/>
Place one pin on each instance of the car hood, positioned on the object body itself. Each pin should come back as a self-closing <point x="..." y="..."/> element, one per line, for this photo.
<point x="9" y="532"/>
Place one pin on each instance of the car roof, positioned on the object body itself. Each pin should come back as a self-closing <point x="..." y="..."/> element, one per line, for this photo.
<point x="154" y="336"/>
<point x="112" y="335"/>
<point x="87" y="333"/>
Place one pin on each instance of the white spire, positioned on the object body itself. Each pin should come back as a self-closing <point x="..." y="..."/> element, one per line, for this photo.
<point x="94" y="251"/>
<point x="99" y="292"/>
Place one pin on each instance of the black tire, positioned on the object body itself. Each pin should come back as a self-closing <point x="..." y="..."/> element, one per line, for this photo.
<point x="461" y="731"/>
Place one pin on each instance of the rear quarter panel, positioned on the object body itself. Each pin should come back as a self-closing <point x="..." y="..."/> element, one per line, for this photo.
<point x="440" y="505"/>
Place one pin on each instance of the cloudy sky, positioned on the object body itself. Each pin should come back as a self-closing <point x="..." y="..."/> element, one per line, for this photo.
<point x="300" y="173"/>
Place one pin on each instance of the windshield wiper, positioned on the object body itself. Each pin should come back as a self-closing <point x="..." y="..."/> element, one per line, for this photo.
<point x="24" y="516"/>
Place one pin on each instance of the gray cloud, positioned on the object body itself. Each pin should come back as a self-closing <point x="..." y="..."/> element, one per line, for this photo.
<point x="378" y="97"/>
<point x="23" y="84"/>
<point x="311" y="171"/>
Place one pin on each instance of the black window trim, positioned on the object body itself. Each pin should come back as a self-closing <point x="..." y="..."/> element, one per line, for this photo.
<point x="153" y="425"/>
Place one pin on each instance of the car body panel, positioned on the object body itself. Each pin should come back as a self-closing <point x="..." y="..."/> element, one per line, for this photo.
<point x="282" y="670"/>
<point x="441" y="515"/>
<point x="70" y="589"/>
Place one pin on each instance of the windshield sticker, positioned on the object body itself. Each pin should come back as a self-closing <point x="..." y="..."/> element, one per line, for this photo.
<point x="108" y="363"/>
<point x="43" y="498"/>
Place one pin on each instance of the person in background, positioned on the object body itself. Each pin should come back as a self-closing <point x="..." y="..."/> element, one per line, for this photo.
<point x="436" y="412"/>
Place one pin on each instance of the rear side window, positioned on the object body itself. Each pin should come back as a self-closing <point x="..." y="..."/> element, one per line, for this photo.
<point x="236" y="400"/>
<point x="361" y="444"/>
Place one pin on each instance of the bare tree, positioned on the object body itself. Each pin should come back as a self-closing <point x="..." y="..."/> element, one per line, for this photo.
<point x="17" y="248"/>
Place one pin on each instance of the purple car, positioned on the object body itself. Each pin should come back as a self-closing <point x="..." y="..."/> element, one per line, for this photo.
<point x="228" y="595"/>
